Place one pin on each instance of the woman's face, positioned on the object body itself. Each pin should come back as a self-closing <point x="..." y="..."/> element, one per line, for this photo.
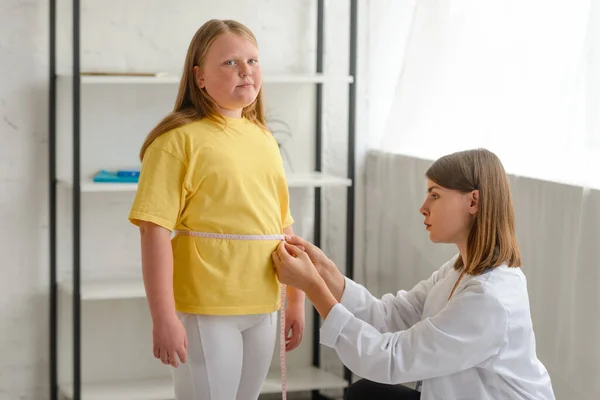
<point x="449" y="214"/>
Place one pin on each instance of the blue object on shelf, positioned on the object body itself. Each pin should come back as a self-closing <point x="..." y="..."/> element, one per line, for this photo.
<point x="128" y="172"/>
<point x="113" y="177"/>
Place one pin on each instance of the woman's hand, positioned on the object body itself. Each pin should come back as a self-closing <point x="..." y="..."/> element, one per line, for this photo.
<point x="321" y="262"/>
<point x="294" y="267"/>
<point x="335" y="281"/>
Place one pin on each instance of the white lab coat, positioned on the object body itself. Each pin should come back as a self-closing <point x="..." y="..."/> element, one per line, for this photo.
<point x="479" y="345"/>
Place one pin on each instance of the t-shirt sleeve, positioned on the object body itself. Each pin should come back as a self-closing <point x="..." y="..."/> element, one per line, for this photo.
<point x="284" y="202"/>
<point x="160" y="193"/>
<point x="287" y="218"/>
<point x="284" y="192"/>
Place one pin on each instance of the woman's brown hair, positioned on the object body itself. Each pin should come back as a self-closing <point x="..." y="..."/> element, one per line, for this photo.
<point x="492" y="240"/>
<point x="193" y="103"/>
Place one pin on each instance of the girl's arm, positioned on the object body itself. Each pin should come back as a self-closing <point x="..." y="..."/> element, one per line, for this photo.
<point x="294" y="312"/>
<point x="295" y="297"/>
<point x="169" y="337"/>
<point x="157" y="270"/>
<point x="156" y="208"/>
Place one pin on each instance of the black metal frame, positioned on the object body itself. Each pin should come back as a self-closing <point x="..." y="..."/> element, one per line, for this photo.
<point x="316" y="353"/>
<point x="76" y="204"/>
<point x="77" y="188"/>
<point x="350" y="198"/>
<point x="52" y="202"/>
<point x="351" y="167"/>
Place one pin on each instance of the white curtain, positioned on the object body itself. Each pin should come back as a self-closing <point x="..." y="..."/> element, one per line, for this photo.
<point x="520" y="77"/>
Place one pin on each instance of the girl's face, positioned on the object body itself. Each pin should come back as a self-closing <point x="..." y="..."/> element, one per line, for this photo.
<point x="231" y="73"/>
<point x="449" y="214"/>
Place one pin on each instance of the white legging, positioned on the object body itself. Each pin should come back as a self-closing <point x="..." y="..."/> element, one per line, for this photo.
<point x="228" y="357"/>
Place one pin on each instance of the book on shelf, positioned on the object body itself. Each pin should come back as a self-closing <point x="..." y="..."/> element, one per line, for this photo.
<point x="117" y="176"/>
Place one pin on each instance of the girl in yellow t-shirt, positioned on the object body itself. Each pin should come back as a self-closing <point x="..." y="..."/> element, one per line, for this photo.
<point x="212" y="178"/>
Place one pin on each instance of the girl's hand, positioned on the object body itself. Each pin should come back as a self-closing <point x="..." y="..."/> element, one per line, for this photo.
<point x="170" y="341"/>
<point x="294" y="268"/>
<point x="294" y="326"/>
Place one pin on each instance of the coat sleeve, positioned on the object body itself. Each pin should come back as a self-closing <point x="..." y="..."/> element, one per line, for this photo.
<point x="392" y="312"/>
<point x="469" y="330"/>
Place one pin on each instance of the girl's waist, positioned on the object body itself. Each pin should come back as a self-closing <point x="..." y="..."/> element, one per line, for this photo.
<point x="228" y="236"/>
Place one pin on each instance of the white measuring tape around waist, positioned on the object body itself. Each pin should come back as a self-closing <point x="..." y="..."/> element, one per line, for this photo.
<point x="282" y="333"/>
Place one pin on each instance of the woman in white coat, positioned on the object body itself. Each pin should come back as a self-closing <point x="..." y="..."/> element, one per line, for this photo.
<point x="465" y="332"/>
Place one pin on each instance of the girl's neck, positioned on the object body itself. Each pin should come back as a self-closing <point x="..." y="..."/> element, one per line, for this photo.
<point x="230" y="113"/>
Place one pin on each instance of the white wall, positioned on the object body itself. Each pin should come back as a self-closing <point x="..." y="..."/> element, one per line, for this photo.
<point x="133" y="35"/>
<point x="23" y="200"/>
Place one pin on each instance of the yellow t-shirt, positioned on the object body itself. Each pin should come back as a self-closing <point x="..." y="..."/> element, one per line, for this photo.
<point x="208" y="177"/>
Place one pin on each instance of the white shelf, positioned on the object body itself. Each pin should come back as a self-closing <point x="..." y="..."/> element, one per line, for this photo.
<point x="108" y="289"/>
<point x="295" y="180"/>
<point x="175" y="79"/>
<point x="316" y="179"/>
<point x="91" y="186"/>
<point x="143" y="389"/>
<point x="303" y="379"/>
<point x="298" y="380"/>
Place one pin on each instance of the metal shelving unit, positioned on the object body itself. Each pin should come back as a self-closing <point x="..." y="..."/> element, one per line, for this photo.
<point x="312" y="379"/>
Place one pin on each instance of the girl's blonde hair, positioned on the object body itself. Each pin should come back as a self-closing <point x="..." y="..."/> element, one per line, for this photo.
<point x="193" y="103"/>
<point x="492" y="240"/>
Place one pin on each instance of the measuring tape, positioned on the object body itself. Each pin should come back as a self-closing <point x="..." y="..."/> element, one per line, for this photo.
<point x="228" y="236"/>
<point x="282" y="332"/>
